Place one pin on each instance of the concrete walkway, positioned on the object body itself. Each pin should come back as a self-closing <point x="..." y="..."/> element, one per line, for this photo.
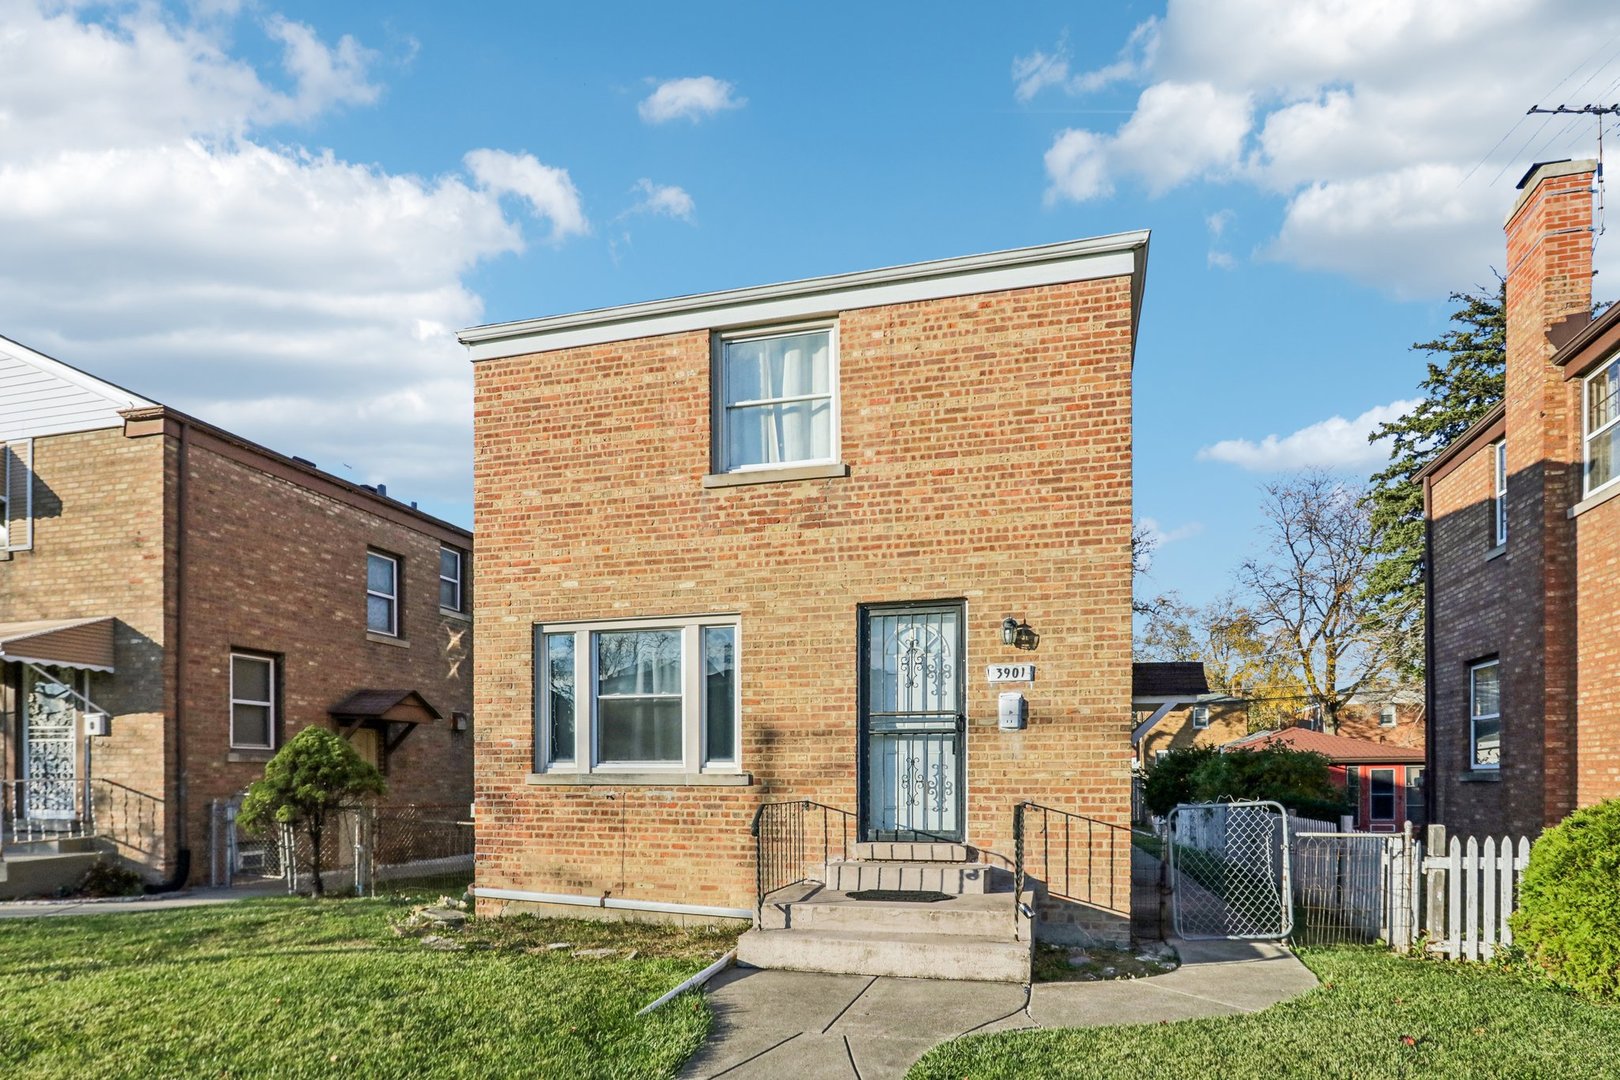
<point x="40" y="909"/>
<point x="854" y="1027"/>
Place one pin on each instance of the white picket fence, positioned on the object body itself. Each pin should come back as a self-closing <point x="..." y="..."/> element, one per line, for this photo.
<point x="1396" y="888"/>
<point x="1469" y="892"/>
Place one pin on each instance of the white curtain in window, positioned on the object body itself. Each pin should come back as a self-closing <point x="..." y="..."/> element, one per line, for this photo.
<point x="779" y="399"/>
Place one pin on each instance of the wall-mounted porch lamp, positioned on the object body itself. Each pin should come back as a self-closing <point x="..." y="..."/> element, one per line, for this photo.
<point x="1020" y="635"/>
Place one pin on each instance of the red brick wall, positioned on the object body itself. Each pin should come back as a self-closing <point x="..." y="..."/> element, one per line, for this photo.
<point x="1597" y="638"/>
<point x="275" y="567"/>
<point x="1520" y="605"/>
<point x="99" y="550"/>
<point x="1358" y="721"/>
<point x="988" y="439"/>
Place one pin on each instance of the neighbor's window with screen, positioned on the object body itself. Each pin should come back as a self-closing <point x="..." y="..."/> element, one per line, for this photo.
<point x="777" y="398"/>
<point x="1603" y="426"/>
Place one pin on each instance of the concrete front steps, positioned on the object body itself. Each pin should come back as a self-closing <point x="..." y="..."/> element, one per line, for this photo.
<point x="975" y="935"/>
<point x="44" y="867"/>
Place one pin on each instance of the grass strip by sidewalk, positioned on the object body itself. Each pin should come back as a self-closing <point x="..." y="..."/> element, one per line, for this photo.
<point x="298" y="988"/>
<point x="1376" y="1015"/>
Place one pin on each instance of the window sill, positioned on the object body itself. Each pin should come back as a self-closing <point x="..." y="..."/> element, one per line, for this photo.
<point x="451" y="613"/>
<point x="1603" y="496"/>
<point x="1481" y="776"/>
<point x="1496" y="552"/>
<point x="776" y="476"/>
<point x="387" y="639"/>
<point x="256" y="756"/>
<point x="641" y="779"/>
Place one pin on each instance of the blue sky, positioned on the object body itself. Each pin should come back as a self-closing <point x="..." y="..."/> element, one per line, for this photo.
<point x="277" y="215"/>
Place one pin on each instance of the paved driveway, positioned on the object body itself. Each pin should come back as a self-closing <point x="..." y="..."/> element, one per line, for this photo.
<point x="804" y="1026"/>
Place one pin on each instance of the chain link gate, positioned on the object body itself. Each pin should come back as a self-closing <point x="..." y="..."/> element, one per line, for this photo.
<point x="1230" y="871"/>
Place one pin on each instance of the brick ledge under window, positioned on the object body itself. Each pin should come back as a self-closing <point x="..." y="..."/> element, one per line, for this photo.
<point x="387" y="639"/>
<point x="250" y="755"/>
<point x="1480" y="776"/>
<point x="1603" y="496"/>
<point x="643" y="779"/>
<point x="776" y="476"/>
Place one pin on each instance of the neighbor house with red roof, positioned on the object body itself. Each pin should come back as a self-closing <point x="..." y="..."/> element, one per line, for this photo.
<point x="1383" y="782"/>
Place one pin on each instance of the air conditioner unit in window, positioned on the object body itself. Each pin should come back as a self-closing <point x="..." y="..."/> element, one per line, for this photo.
<point x="95" y="723"/>
<point x="252" y="859"/>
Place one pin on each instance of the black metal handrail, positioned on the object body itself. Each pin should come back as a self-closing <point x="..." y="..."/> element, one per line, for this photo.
<point x="1071" y="875"/>
<point x="785" y="837"/>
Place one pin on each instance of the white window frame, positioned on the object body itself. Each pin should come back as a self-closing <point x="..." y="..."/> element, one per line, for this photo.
<point x="1499" y="485"/>
<point x="1389" y="716"/>
<point x="1200" y="717"/>
<point x="1587" y="435"/>
<point x="392" y="598"/>
<point x="694" y="714"/>
<point x="23" y="451"/>
<point x="460" y="579"/>
<point x="270" y="732"/>
<point x="1474" y="764"/>
<point x="723" y="402"/>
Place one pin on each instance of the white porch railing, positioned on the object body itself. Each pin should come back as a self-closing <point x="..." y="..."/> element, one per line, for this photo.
<point x="37" y="810"/>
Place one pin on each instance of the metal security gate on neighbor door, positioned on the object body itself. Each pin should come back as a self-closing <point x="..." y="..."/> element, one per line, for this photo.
<point x="912" y="722"/>
<point x="1230" y="870"/>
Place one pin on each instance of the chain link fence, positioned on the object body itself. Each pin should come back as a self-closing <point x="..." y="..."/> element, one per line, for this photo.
<point x="365" y="851"/>
<point x="1230" y="870"/>
<point x="1353" y="888"/>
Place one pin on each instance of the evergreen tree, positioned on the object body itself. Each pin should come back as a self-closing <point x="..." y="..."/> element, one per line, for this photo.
<point x="1465" y="380"/>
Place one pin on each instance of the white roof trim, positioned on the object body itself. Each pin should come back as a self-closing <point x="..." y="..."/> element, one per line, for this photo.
<point x="1118" y="255"/>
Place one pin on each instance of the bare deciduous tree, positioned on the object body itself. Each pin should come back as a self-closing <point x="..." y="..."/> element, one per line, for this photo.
<point x="1309" y="589"/>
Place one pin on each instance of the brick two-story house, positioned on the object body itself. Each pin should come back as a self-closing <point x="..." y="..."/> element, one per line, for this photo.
<point x="772" y="546"/>
<point x="1524" y="545"/>
<point x="176" y="602"/>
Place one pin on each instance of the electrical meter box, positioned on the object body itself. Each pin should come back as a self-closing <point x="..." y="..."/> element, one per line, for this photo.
<point x="95" y="723"/>
<point x="1013" y="713"/>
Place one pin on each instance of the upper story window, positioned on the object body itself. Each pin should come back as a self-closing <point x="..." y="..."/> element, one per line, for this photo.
<point x="660" y="694"/>
<point x="1485" y="715"/>
<point x="1499" y="489"/>
<point x="777" y="398"/>
<point x="1387" y="716"/>
<point x="1603" y="426"/>
<point x="1200" y="716"/>
<point x="382" y="594"/>
<point x="452" y="579"/>
<point x="16" y="495"/>
<point x="253" y="702"/>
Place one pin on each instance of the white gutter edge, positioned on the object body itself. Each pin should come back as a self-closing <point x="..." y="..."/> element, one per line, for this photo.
<point x="614" y="902"/>
<point x="693" y="983"/>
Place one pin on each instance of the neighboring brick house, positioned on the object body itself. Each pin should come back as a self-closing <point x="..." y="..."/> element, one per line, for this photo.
<point x="1174" y="709"/>
<point x="758" y="546"/>
<point x="1524" y="545"/>
<point x="1382" y="782"/>
<point x="1393" y="715"/>
<point x="210" y="598"/>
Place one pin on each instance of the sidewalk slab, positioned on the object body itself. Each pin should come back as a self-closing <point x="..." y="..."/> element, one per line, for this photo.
<point x="47" y="909"/>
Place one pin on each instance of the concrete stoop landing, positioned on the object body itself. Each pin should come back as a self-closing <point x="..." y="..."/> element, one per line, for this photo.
<point x="44" y="867"/>
<point x="978" y="934"/>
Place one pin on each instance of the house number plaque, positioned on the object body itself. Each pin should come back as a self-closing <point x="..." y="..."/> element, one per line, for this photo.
<point x="998" y="673"/>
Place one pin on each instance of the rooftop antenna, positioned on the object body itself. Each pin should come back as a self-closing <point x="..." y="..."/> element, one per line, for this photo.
<point x="1598" y="112"/>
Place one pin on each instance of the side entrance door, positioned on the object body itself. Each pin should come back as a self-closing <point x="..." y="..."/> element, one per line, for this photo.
<point x="912" y="722"/>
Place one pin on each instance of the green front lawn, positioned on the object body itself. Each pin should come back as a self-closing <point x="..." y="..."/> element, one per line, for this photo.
<point x="1376" y="1015"/>
<point x="295" y="988"/>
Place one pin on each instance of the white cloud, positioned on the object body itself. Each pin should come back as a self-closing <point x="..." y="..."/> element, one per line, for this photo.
<point x="1220" y="260"/>
<point x="1334" y="443"/>
<point x="548" y="190"/>
<point x="689" y="99"/>
<point x="1218" y="221"/>
<point x="663" y="199"/>
<point x="1368" y="120"/>
<point x="1159" y="536"/>
<point x="158" y="234"/>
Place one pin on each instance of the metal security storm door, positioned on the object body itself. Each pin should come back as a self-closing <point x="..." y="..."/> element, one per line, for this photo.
<point x="912" y="722"/>
<point x="51" y="746"/>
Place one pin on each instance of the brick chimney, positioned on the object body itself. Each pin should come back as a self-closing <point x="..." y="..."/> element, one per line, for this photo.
<point x="1549" y="279"/>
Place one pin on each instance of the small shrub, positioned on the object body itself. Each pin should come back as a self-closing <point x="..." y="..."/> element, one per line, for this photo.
<point x="1568" y="922"/>
<point x="107" y="878"/>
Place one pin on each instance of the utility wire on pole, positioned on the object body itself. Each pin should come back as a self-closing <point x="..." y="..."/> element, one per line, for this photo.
<point x="1598" y="112"/>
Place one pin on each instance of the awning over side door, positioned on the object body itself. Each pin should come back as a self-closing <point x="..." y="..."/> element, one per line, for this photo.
<point x="71" y="643"/>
